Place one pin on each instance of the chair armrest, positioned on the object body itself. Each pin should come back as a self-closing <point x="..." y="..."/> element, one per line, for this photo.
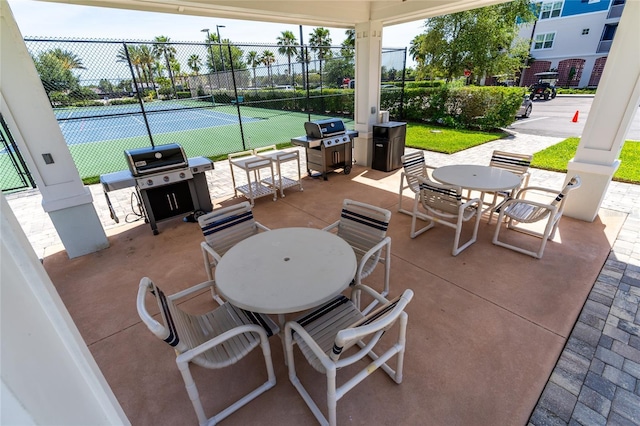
<point x="290" y="327"/>
<point x="187" y="356"/>
<point x="522" y="191"/>
<point x="154" y="326"/>
<point x="470" y="202"/>
<point x="262" y="227"/>
<point x="207" y="248"/>
<point x="332" y="226"/>
<point x="191" y="290"/>
<point x="371" y="292"/>
<point x="385" y="241"/>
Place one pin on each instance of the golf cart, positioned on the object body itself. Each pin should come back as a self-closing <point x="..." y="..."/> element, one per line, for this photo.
<point x="545" y="88"/>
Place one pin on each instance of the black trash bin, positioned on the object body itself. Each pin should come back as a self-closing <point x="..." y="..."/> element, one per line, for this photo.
<point x="388" y="145"/>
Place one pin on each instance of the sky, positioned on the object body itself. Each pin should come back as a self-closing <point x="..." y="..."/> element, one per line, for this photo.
<point x="39" y="19"/>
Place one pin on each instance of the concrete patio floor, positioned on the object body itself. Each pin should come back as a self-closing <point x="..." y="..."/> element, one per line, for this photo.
<point x="486" y="328"/>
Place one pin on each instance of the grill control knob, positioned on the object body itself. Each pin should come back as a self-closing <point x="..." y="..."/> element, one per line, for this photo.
<point x="165" y="178"/>
<point x="182" y="175"/>
<point x="344" y="139"/>
<point x="149" y="182"/>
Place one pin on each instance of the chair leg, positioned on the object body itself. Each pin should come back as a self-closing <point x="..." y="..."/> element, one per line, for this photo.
<point x="192" y="391"/>
<point x="457" y="249"/>
<point x="332" y="402"/>
<point x="295" y="381"/>
<point x="536" y="254"/>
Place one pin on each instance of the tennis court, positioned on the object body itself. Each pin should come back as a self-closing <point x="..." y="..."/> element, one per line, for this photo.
<point x="95" y="124"/>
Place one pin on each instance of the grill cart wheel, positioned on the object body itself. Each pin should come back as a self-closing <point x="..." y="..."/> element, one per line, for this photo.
<point x="347" y="170"/>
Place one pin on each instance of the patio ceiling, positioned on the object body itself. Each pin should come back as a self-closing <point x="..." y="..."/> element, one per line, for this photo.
<point x="337" y="14"/>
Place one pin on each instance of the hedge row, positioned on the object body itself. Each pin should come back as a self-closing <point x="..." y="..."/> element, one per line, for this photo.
<point x="486" y="107"/>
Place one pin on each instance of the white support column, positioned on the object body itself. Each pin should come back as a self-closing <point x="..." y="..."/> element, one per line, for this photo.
<point x="612" y="111"/>
<point x="29" y="116"/>
<point x="367" y="102"/>
<point x="48" y="374"/>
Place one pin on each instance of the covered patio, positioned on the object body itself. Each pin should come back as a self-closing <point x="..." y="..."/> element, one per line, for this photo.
<point x="482" y="341"/>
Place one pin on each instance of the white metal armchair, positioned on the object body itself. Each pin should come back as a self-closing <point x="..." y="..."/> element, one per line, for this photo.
<point x="514" y="163"/>
<point x="443" y="204"/>
<point x="222" y="229"/>
<point x="414" y="166"/>
<point x="519" y="210"/>
<point x="364" y="227"/>
<point x="326" y="334"/>
<point x="213" y="340"/>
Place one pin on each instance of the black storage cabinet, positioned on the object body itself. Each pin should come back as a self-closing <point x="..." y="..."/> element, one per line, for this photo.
<point x="388" y="145"/>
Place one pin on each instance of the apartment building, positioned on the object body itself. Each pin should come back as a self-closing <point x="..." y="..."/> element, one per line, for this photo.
<point x="572" y="37"/>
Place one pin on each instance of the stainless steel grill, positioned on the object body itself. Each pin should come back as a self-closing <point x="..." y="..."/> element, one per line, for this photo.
<point x="328" y="146"/>
<point x="168" y="183"/>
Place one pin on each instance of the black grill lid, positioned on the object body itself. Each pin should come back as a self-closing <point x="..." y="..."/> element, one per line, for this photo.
<point x="143" y="161"/>
<point x="324" y="128"/>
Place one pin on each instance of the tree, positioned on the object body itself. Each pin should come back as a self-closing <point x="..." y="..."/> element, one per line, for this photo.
<point x="162" y="49"/>
<point x="268" y="58"/>
<point x="320" y="42"/>
<point x="216" y="56"/>
<point x="195" y="63"/>
<point x="54" y="73"/>
<point x="479" y="40"/>
<point x="348" y="48"/>
<point x="131" y="56"/>
<point x="287" y="42"/>
<point x="254" y="60"/>
<point x="68" y="60"/>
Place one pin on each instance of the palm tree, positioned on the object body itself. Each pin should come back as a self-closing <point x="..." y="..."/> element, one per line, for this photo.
<point x="69" y="60"/>
<point x="195" y="63"/>
<point x="162" y="49"/>
<point x="133" y="58"/>
<point x="148" y="60"/>
<point x="287" y="42"/>
<point x="268" y="58"/>
<point x="320" y="42"/>
<point x="349" y="44"/>
<point x="254" y="60"/>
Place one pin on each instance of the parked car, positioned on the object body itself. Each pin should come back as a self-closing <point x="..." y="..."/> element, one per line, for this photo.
<point x="526" y="107"/>
<point x="545" y="88"/>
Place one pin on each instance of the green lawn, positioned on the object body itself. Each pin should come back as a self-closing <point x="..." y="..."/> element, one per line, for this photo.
<point x="446" y="140"/>
<point x="556" y="157"/>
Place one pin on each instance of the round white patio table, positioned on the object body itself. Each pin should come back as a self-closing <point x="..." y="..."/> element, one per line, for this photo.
<point x="285" y="270"/>
<point x="477" y="178"/>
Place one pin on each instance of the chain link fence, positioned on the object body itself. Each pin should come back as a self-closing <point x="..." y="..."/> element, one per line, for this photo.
<point x="211" y="98"/>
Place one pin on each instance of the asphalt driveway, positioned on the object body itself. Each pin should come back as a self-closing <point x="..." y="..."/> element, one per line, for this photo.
<point x="554" y="118"/>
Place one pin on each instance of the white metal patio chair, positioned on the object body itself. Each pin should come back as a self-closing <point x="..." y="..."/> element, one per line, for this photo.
<point x="519" y="210"/>
<point x="213" y="340"/>
<point x="515" y="163"/>
<point x="326" y="334"/>
<point x="413" y="166"/>
<point x="443" y="204"/>
<point x="279" y="157"/>
<point x="364" y="227"/>
<point x="222" y="229"/>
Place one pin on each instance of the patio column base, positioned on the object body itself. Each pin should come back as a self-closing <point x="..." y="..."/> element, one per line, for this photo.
<point x="585" y="202"/>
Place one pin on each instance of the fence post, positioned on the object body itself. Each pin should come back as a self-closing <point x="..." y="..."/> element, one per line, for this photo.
<point x="140" y="101"/>
<point x="235" y="92"/>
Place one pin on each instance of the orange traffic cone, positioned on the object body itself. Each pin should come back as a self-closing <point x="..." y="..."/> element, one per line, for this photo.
<point x="575" y="117"/>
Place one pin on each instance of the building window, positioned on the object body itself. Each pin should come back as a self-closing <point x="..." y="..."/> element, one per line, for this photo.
<point x="543" y="41"/>
<point x="550" y="10"/>
<point x="585" y="31"/>
<point x="609" y="31"/>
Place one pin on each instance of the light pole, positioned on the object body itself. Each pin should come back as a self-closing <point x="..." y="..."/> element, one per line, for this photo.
<point x="220" y="45"/>
<point x="213" y="61"/>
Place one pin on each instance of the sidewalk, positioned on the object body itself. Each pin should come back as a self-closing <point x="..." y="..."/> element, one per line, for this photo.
<point x="597" y="378"/>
